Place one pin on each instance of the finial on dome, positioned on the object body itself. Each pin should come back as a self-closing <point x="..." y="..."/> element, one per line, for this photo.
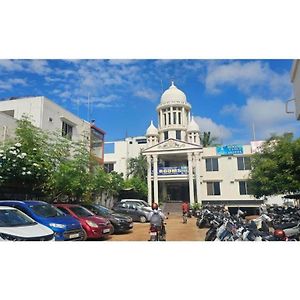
<point x="172" y="83"/>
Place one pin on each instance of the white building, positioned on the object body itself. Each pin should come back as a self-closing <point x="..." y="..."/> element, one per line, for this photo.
<point x="119" y="152"/>
<point x="179" y="168"/>
<point x="49" y="116"/>
<point x="295" y="78"/>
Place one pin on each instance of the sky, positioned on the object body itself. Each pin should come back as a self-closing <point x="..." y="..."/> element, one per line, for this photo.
<point x="234" y="99"/>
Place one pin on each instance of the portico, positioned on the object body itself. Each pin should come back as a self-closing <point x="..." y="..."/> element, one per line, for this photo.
<point x="176" y="164"/>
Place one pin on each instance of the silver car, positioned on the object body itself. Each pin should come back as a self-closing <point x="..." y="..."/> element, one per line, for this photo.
<point x="17" y="226"/>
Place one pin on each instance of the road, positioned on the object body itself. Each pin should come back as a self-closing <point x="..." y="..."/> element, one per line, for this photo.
<point x="176" y="231"/>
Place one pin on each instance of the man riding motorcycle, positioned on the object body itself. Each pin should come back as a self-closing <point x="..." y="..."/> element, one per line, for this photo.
<point x="156" y="219"/>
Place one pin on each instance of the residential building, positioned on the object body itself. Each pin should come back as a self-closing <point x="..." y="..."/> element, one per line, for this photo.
<point x="8" y="126"/>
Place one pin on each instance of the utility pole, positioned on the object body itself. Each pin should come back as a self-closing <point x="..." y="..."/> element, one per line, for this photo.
<point x="253" y="131"/>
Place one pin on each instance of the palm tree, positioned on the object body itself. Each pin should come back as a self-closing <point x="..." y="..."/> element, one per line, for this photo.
<point x="207" y="140"/>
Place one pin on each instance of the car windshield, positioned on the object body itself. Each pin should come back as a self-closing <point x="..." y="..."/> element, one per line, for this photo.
<point x="104" y="210"/>
<point x="46" y="210"/>
<point x="14" y="218"/>
<point x="81" y="211"/>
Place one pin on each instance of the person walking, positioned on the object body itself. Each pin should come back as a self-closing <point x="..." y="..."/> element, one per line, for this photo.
<point x="185" y="209"/>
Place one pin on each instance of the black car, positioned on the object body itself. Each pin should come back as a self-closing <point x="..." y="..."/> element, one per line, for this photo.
<point x="137" y="213"/>
<point x="121" y="223"/>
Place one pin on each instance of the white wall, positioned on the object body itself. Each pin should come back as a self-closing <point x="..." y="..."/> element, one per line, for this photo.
<point x="228" y="175"/>
<point x="40" y="109"/>
<point x="123" y="151"/>
<point x="8" y="126"/>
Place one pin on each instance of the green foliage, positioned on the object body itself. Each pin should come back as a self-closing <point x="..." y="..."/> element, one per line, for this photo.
<point x="276" y="170"/>
<point x="138" y="185"/>
<point x="207" y="140"/>
<point x="137" y="167"/>
<point x="195" y="206"/>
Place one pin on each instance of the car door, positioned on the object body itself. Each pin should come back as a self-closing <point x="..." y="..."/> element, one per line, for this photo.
<point x="133" y="212"/>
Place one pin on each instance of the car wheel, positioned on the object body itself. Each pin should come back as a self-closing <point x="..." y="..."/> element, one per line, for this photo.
<point x="84" y="235"/>
<point x="143" y="219"/>
<point x="112" y="230"/>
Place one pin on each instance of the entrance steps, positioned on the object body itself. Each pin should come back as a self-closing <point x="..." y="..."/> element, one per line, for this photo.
<point x="173" y="207"/>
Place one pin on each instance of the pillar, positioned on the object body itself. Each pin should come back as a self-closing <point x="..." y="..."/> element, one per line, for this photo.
<point x="198" y="186"/>
<point x="155" y="170"/>
<point x="191" y="180"/>
<point x="149" y="180"/>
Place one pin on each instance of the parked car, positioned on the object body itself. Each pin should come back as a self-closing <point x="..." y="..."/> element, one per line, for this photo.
<point x="120" y="223"/>
<point x="64" y="227"/>
<point x="94" y="227"/>
<point x="136" y="212"/>
<point x="137" y="202"/>
<point x="16" y="226"/>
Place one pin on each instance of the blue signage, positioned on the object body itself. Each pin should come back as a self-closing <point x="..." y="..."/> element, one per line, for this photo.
<point x="172" y="170"/>
<point x="230" y="150"/>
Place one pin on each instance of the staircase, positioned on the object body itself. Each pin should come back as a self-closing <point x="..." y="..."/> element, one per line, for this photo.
<point x="172" y="207"/>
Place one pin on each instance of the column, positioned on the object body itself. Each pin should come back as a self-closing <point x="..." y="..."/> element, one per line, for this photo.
<point x="161" y="119"/>
<point x="197" y="161"/>
<point x="149" y="181"/>
<point x="191" y="180"/>
<point x="172" y="117"/>
<point x="155" y="178"/>
<point x="183" y="117"/>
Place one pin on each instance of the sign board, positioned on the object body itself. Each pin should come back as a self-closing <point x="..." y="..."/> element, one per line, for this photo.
<point x="229" y="150"/>
<point x="172" y="170"/>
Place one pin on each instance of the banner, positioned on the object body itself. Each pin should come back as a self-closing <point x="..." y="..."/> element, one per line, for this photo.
<point x="229" y="150"/>
<point x="172" y="170"/>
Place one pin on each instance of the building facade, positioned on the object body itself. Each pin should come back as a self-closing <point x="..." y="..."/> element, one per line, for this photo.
<point x="8" y="126"/>
<point x="49" y="116"/>
<point x="118" y="153"/>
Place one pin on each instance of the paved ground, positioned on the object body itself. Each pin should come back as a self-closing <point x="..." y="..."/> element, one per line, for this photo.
<point x="176" y="231"/>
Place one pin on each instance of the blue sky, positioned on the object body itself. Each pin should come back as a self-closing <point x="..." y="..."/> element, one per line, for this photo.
<point x="227" y="96"/>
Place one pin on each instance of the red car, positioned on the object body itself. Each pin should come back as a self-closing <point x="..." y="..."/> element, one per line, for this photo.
<point x="95" y="227"/>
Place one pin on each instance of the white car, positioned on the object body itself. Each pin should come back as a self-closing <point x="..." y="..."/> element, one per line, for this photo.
<point x="17" y="226"/>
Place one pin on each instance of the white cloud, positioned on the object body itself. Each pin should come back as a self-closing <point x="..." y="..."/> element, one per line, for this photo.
<point x="11" y="65"/>
<point x="217" y="130"/>
<point x="267" y="116"/>
<point x="38" y="66"/>
<point x="11" y="82"/>
<point x="147" y="94"/>
<point x="249" y="77"/>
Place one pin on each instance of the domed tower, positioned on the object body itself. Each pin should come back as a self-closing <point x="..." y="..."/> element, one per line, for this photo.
<point x="152" y="135"/>
<point x="193" y="132"/>
<point x="173" y="114"/>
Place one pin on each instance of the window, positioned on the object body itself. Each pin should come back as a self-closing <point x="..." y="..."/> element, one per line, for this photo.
<point x="213" y="188"/>
<point x="67" y="130"/>
<point x="109" y="167"/>
<point x="179" y="118"/>
<point x="243" y="163"/>
<point x="169" y="114"/>
<point x="165" y="119"/>
<point x="141" y="141"/>
<point x="64" y="210"/>
<point x="166" y="135"/>
<point x="212" y="164"/>
<point x="174" y="117"/>
<point x="178" y="135"/>
<point x="244" y="188"/>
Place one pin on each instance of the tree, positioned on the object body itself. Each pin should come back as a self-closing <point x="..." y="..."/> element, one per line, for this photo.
<point x="207" y="140"/>
<point x="138" y="185"/>
<point x="276" y="169"/>
<point x="137" y="167"/>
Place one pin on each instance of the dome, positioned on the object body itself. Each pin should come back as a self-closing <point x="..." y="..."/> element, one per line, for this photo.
<point x="193" y="126"/>
<point x="152" y="130"/>
<point x="173" y="95"/>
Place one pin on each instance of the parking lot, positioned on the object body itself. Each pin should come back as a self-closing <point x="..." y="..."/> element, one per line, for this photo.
<point x="176" y="231"/>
